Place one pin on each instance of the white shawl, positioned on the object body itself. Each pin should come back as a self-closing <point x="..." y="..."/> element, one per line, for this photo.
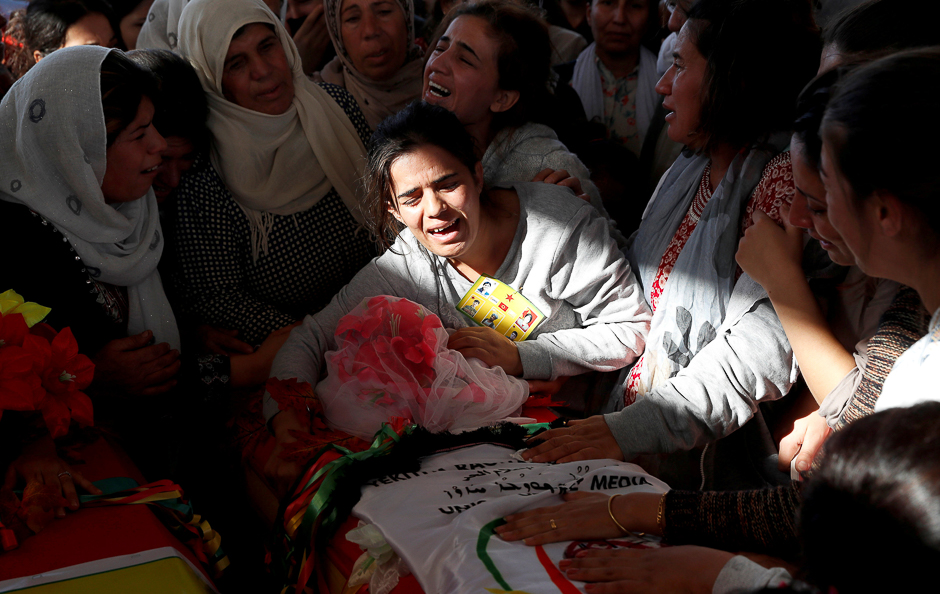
<point x="161" y="29"/>
<point x="586" y="81"/>
<point x="272" y="164"/>
<point x="53" y="155"/>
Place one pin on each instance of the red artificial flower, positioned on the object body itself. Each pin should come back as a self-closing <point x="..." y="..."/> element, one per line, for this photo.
<point x="64" y="373"/>
<point x="13" y="329"/>
<point x="20" y="387"/>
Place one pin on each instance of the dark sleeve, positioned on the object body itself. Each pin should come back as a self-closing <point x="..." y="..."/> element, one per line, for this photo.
<point x="43" y="268"/>
<point x="759" y="521"/>
<point x="212" y="243"/>
<point x="348" y="104"/>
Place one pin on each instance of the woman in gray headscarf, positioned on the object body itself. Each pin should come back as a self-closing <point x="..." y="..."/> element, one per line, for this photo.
<point x="376" y="60"/>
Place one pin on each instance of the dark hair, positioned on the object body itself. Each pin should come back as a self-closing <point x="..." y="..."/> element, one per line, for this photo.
<point x="870" y="519"/>
<point x="877" y="28"/>
<point x="810" y="109"/>
<point x="759" y="54"/>
<point x="419" y="124"/>
<point x="879" y="146"/>
<point x="45" y="24"/>
<point x="524" y="59"/>
<point x="121" y="9"/>
<point x="123" y="85"/>
<point x="181" y="105"/>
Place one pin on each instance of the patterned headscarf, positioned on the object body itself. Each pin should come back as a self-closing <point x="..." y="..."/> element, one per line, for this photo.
<point x="376" y="99"/>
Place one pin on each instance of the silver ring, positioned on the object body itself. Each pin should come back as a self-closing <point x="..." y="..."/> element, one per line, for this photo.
<point x="65" y="473"/>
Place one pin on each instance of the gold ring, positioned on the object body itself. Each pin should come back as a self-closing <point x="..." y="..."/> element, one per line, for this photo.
<point x="552" y="522"/>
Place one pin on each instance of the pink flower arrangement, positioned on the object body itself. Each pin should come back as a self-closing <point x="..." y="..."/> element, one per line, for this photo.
<point x="41" y="369"/>
<point x="392" y="361"/>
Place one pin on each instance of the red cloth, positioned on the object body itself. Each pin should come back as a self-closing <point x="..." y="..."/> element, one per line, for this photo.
<point x="94" y="533"/>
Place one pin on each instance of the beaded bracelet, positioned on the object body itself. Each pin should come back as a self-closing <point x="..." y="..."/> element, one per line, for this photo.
<point x="659" y="515"/>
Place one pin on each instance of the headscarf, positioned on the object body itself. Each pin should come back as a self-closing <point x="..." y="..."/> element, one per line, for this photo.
<point x="161" y="29"/>
<point x="696" y="303"/>
<point x="53" y="155"/>
<point x="377" y="100"/>
<point x="272" y="164"/>
<point x="586" y="81"/>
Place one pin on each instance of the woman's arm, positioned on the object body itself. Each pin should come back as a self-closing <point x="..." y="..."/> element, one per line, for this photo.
<point x="590" y="274"/>
<point x="772" y="256"/>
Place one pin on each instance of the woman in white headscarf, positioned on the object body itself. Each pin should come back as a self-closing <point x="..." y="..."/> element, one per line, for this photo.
<point x="79" y="153"/>
<point x="269" y="226"/>
<point x="376" y="60"/>
<point x="79" y="227"/>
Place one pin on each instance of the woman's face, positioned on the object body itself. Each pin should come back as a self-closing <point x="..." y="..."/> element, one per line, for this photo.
<point x="132" y="22"/>
<point x="133" y="158"/>
<point x="91" y="29"/>
<point x="809" y="209"/>
<point x="682" y="86"/>
<point x="618" y="26"/>
<point x="847" y="218"/>
<point x="375" y="36"/>
<point x="256" y="74"/>
<point x="462" y="74"/>
<point x="177" y="158"/>
<point x="438" y="199"/>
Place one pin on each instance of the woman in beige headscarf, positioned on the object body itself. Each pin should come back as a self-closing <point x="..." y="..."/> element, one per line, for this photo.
<point x="376" y="60"/>
<point x="268" y="227"/>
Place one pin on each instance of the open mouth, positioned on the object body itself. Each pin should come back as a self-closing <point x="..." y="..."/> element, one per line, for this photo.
<point x="437" y="90"/>
<point x="151" y="170"/>
<point x="448" y="228"/>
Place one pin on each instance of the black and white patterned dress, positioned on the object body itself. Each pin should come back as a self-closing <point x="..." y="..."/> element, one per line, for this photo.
<point x="311" y="254"/>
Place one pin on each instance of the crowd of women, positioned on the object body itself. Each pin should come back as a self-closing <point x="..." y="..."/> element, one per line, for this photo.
<point x="733" y="245"/>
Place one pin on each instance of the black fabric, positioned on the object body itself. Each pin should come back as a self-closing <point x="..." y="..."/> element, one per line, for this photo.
<point x="311" y="256"/>
<point x="41" y="265"/>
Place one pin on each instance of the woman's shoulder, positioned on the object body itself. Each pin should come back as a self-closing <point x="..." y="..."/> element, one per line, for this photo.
<point x="550" y="204"/>
<point x="774" y="190"/>
<point x="202" y="190"/>
<point x="348" y="104"/>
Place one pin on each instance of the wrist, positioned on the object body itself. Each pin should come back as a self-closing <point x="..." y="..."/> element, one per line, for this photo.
<point x="637" y="512"/>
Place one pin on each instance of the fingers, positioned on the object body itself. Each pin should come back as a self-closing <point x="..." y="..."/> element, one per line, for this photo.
<point x="160" y="389"/>
<point x="9" y="480"/>
<point x="543" y="174"/>
<point x="227" y="343"/>
<point x="789" y="447"/>
<point x="131" y="343"/>
<point x="163" y="369"/>
<point x="85" y="484"/>
<point x="816" y="435"/>
<point x="759" y="217"/>
<point x="560" y="176"/>
<point x="67" y="483"/>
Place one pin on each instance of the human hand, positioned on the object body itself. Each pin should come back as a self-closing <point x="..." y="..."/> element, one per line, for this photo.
<point x="804" y="442"/>
<point x="488" y="346"/>
<point x="221" y="341"/>
<point x="282" y="473"/>
<point x="254" y="369"/>
<point x="669" y="569"/>
<point x="312" y="39"/>
<point x="40" y="463"/>
<point x="561" y="177"/>
<point x="588" y="439"/>
<point x="770" y="255"/>
<point x="130" y="366"/>
<point x="583" y="516"/>
<point x="547" y="387"/>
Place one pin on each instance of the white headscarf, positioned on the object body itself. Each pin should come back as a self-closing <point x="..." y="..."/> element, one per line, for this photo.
<point x="377" y="100"/>
<point x="161" y="29"/>
<point x="272" y="164"/>
<point x="53" y="154"/>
